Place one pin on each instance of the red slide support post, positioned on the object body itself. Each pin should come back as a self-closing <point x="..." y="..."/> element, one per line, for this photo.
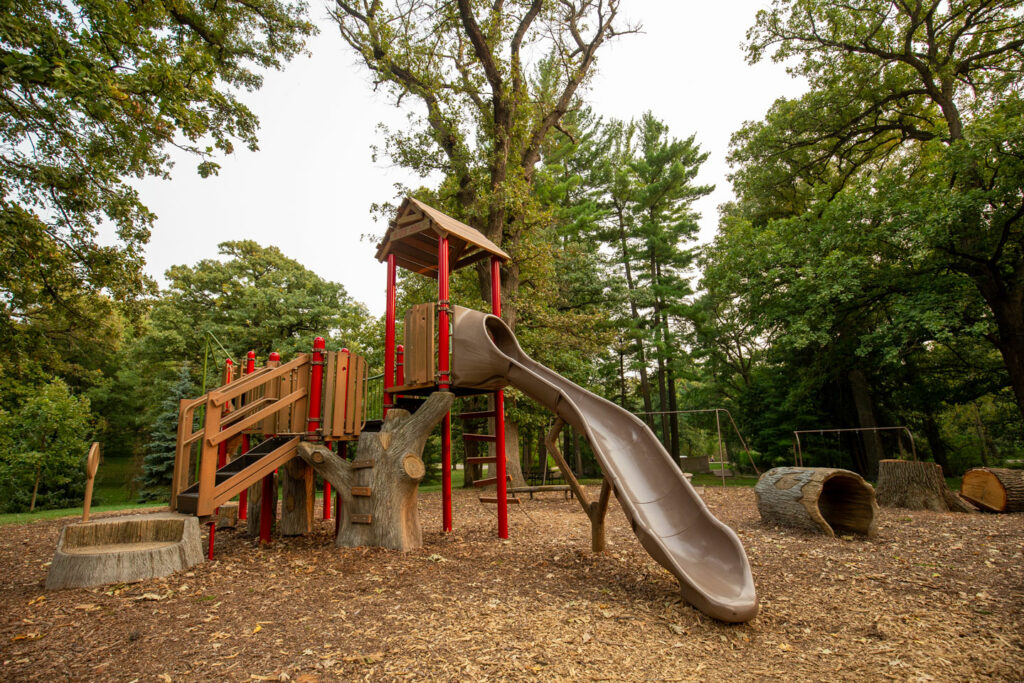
<point x="316" y="388"/>
<point x="267" y="512"/>
<point x="444" y="384"/>
<point x="499" y="415"/>
<point x="243" y="497"/>
<point x="389" y="334"/>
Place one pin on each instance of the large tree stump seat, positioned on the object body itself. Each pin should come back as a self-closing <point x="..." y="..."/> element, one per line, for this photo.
<point x="124" y="549"/>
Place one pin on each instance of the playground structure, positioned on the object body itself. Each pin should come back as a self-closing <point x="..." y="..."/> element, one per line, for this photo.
<point x="320" y="400"/>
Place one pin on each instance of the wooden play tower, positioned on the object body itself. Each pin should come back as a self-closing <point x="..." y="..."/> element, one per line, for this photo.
<point x="425" y="241"/>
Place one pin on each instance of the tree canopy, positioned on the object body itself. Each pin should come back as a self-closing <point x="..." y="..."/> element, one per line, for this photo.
<point x="95" y="93"/>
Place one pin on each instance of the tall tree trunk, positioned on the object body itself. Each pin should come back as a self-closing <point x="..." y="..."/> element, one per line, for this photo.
<point x="634" y="314"/>
<point x="35" y="489"/>
<point x="936" y="444"/>
<point x="1007" y="305"/>
<point x="988" y="447"/>
<point x="866" y="416"/>
<point x="577" y="453"/>
<point x="622" y="379"/>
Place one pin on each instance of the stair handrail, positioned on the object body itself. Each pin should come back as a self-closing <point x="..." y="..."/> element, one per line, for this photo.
<point x="213" y="429"/>
<point x="222" y="395"/>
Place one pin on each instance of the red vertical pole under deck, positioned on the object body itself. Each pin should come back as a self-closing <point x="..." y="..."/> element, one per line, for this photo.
<point x="443" y="363"/>
<point x="243" y="497"/>
<point x="267" y="512"/>
<point x="499" y="415"/>
<point x="389" y="334"/>
<point x="313" y="422"/>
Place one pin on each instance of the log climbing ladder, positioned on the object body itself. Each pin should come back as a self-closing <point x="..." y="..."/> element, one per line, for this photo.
<point x="473" y="416"/>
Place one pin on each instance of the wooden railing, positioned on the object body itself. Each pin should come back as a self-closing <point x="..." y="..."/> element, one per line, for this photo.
<point x="273" y="400"/>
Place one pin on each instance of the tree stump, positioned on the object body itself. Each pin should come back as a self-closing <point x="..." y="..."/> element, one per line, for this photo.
<point x="124" y="549"/>
<point x="297" y="494"/>
<point x="378" y="488"/>
<point x="995" y="489"/>
<point x="818" y="499"/>
<point x="916" y="485"/>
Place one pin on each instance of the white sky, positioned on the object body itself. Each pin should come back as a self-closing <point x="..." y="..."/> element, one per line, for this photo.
<point x="309" y="188"/>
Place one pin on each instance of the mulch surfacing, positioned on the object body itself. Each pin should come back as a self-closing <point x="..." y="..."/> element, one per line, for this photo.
<point x="934" y="597"/>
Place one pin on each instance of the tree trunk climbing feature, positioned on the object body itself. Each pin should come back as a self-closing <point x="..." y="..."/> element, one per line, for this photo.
<point x="595" y="510"/>
<point x="818" y="499"/>
<point x="378" y="488"/>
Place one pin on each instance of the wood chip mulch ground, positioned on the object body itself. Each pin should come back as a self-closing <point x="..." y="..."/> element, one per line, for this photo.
<point x="934" y="597"/>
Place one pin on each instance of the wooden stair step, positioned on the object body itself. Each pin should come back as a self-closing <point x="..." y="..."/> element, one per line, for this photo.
<point x="490" y="480"/>
<point x="360" y="464"/>
<point x="479" y="437"/>
<point x="476" y="415"/>
<point x="482" y="460"/>
<point x="361" y="491"/>
<point x="488" y="499"/>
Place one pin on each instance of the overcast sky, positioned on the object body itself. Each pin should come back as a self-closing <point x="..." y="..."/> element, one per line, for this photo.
<point x="309" y="188"/>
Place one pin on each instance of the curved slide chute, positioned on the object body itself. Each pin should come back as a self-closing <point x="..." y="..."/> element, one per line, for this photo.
<point x="668" y="517"/>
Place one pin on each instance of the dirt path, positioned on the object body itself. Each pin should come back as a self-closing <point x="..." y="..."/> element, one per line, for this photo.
<point x="935" y="597"/>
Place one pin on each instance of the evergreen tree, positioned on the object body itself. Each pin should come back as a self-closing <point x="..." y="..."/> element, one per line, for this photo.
<point x="158" y="465"/>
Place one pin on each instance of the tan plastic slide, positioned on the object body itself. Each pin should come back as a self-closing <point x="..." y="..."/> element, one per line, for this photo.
<point x="670" y="519"/>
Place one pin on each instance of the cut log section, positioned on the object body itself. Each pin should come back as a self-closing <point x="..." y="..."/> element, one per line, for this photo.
<point x="818" y="499"/>
<point x="124" y="550"/>
<point x="995" y="489"/>
<point x="916" y="485"/>
<point x="379" y="501"/>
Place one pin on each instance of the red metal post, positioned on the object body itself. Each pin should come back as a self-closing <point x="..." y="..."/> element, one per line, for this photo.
<point x="243" y="497"/>
<point x="316" y="384"/>
<point x="499" y="414"/>
<point x="316" y="388"/>
<point x="444" y="371"/>
<point x="400" y="370"/>
<point x="267" y="511"/>
<point x="389" y="334"/>
<point x="213" y="532"/>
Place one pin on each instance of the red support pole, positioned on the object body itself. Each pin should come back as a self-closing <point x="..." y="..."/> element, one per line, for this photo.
<point x="389" y="334"/>
<point x="213" y="532"/>
<point x="267" y="512"/>
<point x="316" y="384"/>
<point x="243" y="497"/>
<point x="444" y="371"/>
<point x="316" y="388"/>
<point x="499" y="414"/>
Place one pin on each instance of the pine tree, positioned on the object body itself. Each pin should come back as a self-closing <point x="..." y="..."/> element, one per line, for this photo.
<point x="158" y="465"/>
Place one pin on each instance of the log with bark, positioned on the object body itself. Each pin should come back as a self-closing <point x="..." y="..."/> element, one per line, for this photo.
<point x="297" y="494"/>
<point x="995" y="489"/>
<point x="378" y="488"/>
<point x="255" y="505"/>
<point x="916" y="485"/>
<point x="818" y="499"/>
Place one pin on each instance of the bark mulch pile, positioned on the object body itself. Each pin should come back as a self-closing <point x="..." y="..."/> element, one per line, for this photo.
<point x="934" y="597"/>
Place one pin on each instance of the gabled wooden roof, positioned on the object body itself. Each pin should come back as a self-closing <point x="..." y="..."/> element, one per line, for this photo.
<point x="413" y="236"/>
